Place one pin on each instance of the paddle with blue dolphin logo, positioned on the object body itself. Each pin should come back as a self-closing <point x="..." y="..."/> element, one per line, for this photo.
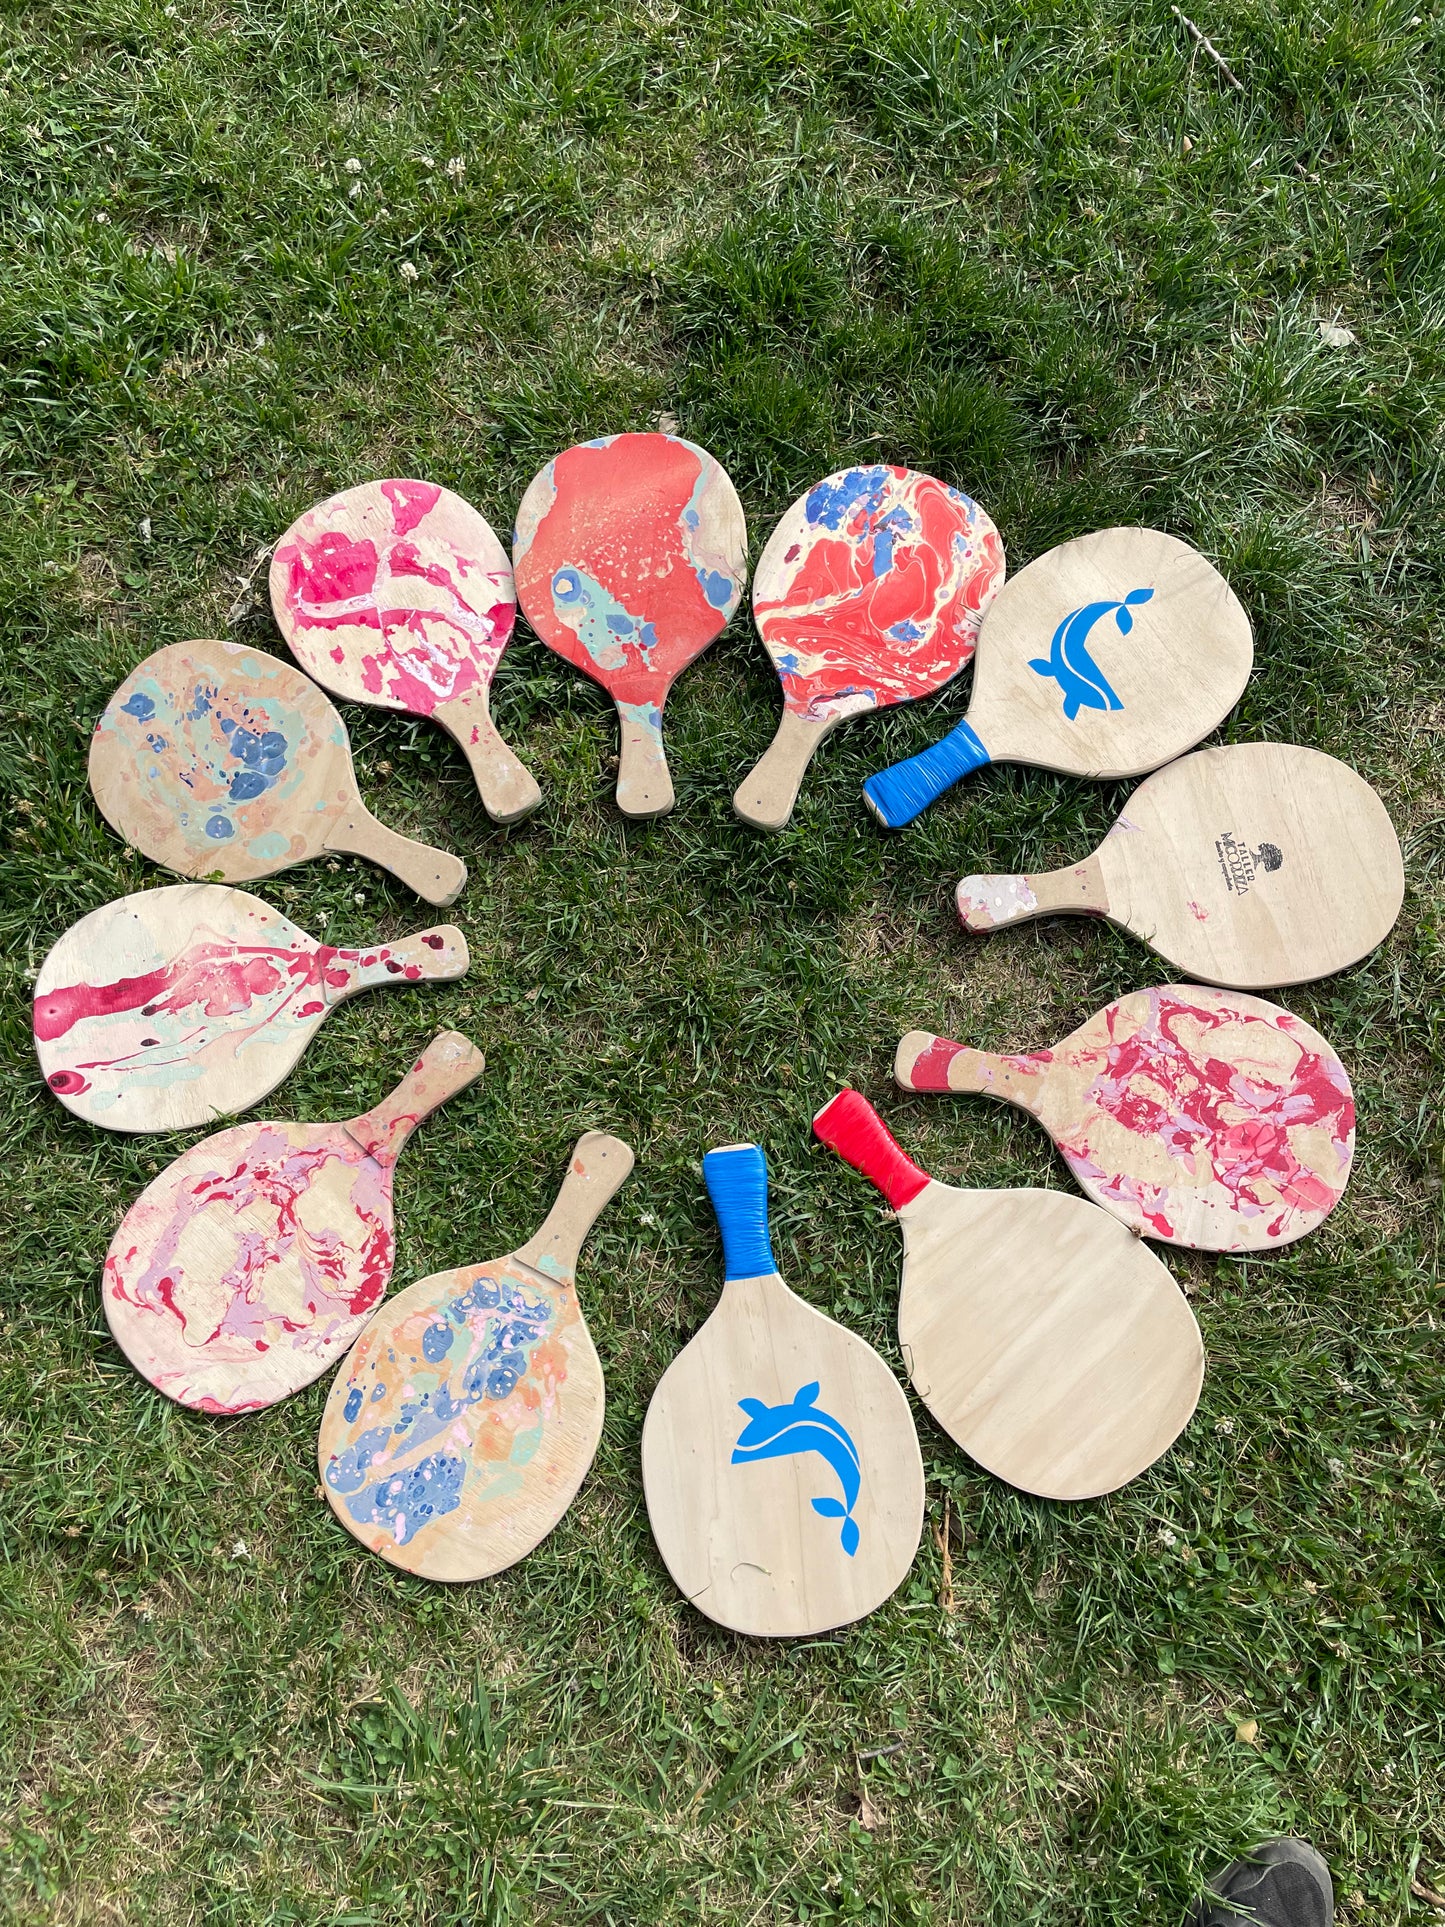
<point x="1179" y="653"/>
<point x="807" y="1514"/>
<point x="779" y="1431"/>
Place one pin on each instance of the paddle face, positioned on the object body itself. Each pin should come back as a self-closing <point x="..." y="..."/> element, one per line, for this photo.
<point x="872" y="588"/>
<point x="779" y="1458"/>
<point x="463" y="1422"/>
<point x="212" y="758"/>
<point x="176" y="1006"/>
<point x="250" y="1264"/>
<point x="396" y="593"/>
<point x="1255" y="865"/>
<point x="1044" y="1337"/>
<point x="1201" y="1117"/>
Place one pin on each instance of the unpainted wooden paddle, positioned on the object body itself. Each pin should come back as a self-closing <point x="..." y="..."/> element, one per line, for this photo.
<point x="1200" y="1117"/>
<point x="870" y="592"/>
<point x="249" y="1266"/>
<point x="1044" y="1337"/>
<point x="461" y="1426"/>
<point x="1108" y="656"/>
<point x="398" y="593"/>
<point x="779" y="1457"/>
<point x="218" y="761"/>
<point x="176" y="1006"/>
<point x="631" y="556"/>
<point x="1252" y="866"/>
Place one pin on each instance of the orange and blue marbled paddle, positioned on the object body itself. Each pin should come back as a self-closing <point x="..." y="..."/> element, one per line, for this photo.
<point x="630" y="558"/>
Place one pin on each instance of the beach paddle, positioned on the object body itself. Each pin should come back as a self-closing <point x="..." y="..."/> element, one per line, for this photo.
<point x="631" y="555"/>
<point x="459" y="1429"/>
<point x="176" y="1006"/>
<point x="398" y="593"/>
<point x="1044" y="1337"/>
<point x="220" y="762"/>
<point x="1200" y="1117"/>
<point x="1109" y="656"/>
<point x="869" y="593"/>
<point x="249" y="1266"/>
<point x="779" y="1457"/>
<point x="1256" y="865"/>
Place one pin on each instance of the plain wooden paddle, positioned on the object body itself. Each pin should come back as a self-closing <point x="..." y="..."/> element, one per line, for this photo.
<point x="1256" y="865"/>
<point x="1042" y="1335"/>
<point x="220" y="762"/>
<point x="459" y="1429"/>
<point x="779" y="1457"/>
<point x="869" y="593"/>
<point x="398" y="593"/>
<point x="1201" y="1117"/>
<point x="177" y="1006"/>
<point x="631" y="555"/>
<point x="249" y="1266"/>
<point x="1109" y="656"/>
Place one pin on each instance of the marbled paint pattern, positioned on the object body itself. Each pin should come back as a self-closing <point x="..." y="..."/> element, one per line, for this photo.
<point x="1203" y="1117"/>
<point x="872" y="589"/>
<point x="986" y="902"/>
<point x="630" y="558"/>
<point x="396" y="593"/>
<point x="447" y="1400"/>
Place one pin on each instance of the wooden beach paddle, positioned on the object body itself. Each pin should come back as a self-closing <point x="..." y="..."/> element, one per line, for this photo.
<point x="1256" y="865"/>
<point x="249" y="1266"/>
<point x="869" y="592"/>
<point x="631" y="555"/>
<point x="1046" y="1339"/>
<point x="398" y="593"/>
<point x="1200" y="1117"/>
<point x="176" y="1006"/>
<point x="1109" y="656"/>
<point x="459" y="1429"/>
<point x="779" y="1457"/>
<point x="220" y="762"/>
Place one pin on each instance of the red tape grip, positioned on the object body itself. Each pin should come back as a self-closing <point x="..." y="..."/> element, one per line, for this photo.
<point x="850" y="1126"/>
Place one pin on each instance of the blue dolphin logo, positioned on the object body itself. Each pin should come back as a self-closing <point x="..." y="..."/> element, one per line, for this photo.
<point x="780" y="1431"/>
<point x="1069" y="663"/>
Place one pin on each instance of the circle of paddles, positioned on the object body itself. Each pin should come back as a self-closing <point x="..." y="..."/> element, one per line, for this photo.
<point x="780" y="1462"/>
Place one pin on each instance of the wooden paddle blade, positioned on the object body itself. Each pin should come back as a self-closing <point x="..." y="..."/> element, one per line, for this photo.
<point x="464" y="1421"/>
<point x="1107" y="657"/>
<point x="448" y="1064"/>
<point x="768" y="793"/>
<point x="781" y="1467"/>
<point x="176" y="1006"/>
<point x="436" y="875"/>
<point x="1199" y="1117"/>
<point x="398" y="593"/>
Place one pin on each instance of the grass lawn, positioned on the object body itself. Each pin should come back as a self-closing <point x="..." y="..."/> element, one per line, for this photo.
<point x="1058" y="261"/>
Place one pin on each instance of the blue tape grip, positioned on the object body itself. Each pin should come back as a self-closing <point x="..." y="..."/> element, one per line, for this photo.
<point x="737" y="1183"/>
<point x="897" y="795"/>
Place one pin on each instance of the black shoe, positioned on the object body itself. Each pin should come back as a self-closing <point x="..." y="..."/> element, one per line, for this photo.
<point x="1284" y="1883"/>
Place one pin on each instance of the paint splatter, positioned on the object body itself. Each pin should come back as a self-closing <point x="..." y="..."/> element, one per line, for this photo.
<point x="872" y="589"/>
<point x="630" y="555"/>
<point x="396" y="593"/>
<point x="986" y="902"/>
<point x="448" y="1397"/>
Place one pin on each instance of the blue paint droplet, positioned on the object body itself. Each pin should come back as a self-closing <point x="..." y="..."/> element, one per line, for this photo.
<point x="246" y="784"/>
<point x="352" y="1407"/>
<point x="436" y="1342"/>
<point x="717" y="587"/>
<point x="218" y="828"/>
<point x="140" y="706"/>
<point x="565" y="586"/>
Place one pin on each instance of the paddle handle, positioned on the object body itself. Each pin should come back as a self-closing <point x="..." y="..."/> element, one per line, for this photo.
<point x="849" y="1125"/>
<point x="736" y="1177"/>
<point x="924" y="1062"/>
<point x="436" y="875"/>
<point x="507" y="787"/>
<point x="644" y="782"/>
<point x="599" y="1168"/>
<point x="904" y="790"/>
<point x="766" y="795"/>
<point x="987" y="903"/>
<point x="437" y="956"/>
<point x="448" y="1064"/>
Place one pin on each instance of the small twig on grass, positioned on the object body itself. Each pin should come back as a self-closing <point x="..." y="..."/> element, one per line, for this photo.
<point x="1209" y="47"/>
<point x="1427" y="1894"/>
<point x="940" y="1539"/>
<point x="879" y="1752"/>
<point x="243" y="600"/>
